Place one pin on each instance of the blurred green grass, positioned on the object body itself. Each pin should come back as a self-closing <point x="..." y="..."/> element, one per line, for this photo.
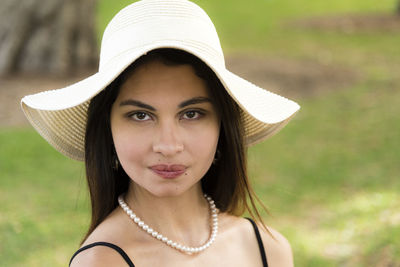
<point x="330" y="178"/>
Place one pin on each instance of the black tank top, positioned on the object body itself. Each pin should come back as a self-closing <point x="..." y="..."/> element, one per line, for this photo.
<point x="130" y="263"/>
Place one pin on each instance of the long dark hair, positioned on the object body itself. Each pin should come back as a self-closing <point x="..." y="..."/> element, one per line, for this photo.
<point x="226" y="181"/>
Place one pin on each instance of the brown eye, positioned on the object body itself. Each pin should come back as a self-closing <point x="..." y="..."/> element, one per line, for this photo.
<point x="140" y="116"/>
<point x="192" y="115"/>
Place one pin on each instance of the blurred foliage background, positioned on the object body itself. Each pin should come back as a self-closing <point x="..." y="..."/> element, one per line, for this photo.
<point x="330" y="179"/>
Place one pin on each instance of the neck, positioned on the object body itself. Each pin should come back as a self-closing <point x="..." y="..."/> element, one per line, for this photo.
<point x="184" y="218"/>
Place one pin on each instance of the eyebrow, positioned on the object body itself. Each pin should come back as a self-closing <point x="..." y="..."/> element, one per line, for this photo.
<point x="195" y="100"/>
<point x="192" y="101"/>
<point x="137" y="103"/>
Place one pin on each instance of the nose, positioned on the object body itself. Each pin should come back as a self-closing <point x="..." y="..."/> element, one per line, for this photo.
<point x="167" y="140"/>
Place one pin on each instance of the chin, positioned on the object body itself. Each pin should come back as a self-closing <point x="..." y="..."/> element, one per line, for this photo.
<point x="167" y="192"/>
<point x="170" y="191"/>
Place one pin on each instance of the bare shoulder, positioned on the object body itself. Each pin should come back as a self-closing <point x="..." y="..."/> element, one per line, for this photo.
<point x="98" y="256"/>
<point x="277" y="247"/>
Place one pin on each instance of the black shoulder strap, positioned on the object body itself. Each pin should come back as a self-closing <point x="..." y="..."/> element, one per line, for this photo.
<point x="115" y="247"/>
<point x="260" y="243"/>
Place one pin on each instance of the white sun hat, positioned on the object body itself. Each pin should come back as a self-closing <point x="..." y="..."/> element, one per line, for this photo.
<point x="60" y="115"/>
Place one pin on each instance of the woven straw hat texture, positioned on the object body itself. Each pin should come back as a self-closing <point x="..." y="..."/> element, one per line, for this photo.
<point x="60" y="115"/>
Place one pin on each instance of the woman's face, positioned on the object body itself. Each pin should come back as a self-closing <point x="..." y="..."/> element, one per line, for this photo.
<point x="165" y="128"/>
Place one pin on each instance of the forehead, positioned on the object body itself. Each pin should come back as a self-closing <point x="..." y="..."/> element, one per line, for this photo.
<point x="154" y="80"/>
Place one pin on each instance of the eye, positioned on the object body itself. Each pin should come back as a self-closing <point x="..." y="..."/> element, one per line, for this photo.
<point x="191" y="115"/>
<point x="140" y="116"/>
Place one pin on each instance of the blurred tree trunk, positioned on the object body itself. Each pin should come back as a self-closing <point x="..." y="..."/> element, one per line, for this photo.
<point x="398" y="7"/>
<point x="47" y="36"/>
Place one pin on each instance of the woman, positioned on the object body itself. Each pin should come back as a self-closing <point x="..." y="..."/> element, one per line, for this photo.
<point x="162" y="128"/>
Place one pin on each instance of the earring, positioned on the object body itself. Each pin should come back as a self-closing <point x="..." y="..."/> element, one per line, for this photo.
<point x="217" y="157"/>
<point x="115" y="163"/>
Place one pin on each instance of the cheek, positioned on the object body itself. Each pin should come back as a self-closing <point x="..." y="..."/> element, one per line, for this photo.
<point x="204" y="141"/>
<point x="124" y="148"/>
<point x="129" y="145"/>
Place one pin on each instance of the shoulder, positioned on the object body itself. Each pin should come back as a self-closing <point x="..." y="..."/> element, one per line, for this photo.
<point x="109" y="232"/>
<point x="98" y="256"/>
<point x="277" y="247"/>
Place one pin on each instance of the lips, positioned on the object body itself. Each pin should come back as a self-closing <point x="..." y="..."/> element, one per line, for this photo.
<point x="168" y="171"/>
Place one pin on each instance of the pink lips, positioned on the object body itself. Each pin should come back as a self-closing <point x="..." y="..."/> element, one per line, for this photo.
<point x="168" y="171"/>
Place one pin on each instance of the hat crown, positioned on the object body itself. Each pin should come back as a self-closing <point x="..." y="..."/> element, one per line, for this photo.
<point x="60" y="115"/>
<point x="149" y="23"/>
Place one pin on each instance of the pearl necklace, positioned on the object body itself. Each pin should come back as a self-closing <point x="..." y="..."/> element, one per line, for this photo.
<point x="175" y="245"/>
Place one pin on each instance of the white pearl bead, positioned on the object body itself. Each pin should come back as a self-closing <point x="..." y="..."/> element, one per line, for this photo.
<point x="182" y="248"/>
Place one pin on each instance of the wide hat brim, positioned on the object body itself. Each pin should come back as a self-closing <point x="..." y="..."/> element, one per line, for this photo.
<point x="60" y="115"/>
